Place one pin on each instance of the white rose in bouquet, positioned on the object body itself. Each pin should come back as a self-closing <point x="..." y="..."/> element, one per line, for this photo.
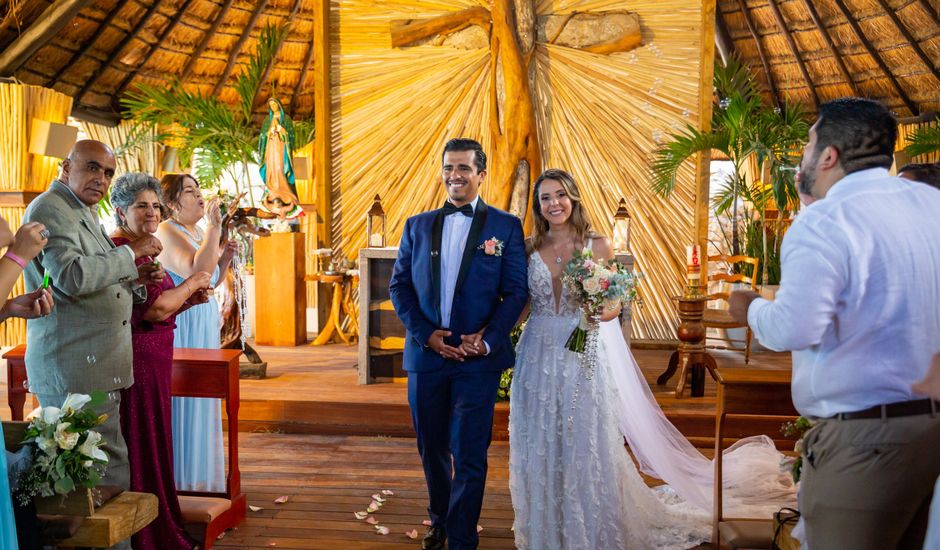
<point x="592" y="285"/>
<point x="47" y="445"/>
<point x="66" y="440"/>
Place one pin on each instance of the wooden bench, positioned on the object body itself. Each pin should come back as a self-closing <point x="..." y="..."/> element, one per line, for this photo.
<point x="114" y="521"/>
<point x="209" y="373"/>
<point x="752" y="393"/>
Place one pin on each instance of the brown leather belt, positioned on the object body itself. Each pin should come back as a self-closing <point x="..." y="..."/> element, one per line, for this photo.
<point x="902" y="408"/>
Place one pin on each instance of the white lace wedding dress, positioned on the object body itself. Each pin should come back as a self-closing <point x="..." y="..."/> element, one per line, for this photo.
<point x="573" y="484"/>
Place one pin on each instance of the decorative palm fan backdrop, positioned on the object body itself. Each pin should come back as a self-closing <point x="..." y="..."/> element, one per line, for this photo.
<point x="598" y="116"/>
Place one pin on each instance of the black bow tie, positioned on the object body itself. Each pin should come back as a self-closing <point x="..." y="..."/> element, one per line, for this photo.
<point x="466" y="210"/>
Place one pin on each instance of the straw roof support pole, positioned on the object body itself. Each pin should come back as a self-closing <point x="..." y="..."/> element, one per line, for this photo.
<point x="46" y="26"/>
<point x="760" y="52"/>
<point x="177" y="16"/>
<point x="237" y="48"/>
<point x="103" y="26"/>
<point x="267" y="70"/>
<point x="915" y="45"/>
<point x="204" y="43"/>
<point x="827" y="38"/>
<point x="703" y="161"/>
<point x="308" y="59"/>
<point x="781" y="22"/>
<point x="874" y="55"/>
<point x="116" y="52"/>
<point x="322" y="147"/>
<point x="722" y="38"/>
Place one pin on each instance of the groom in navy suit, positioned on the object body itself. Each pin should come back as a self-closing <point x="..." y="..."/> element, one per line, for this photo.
<point x="459" y="285"/>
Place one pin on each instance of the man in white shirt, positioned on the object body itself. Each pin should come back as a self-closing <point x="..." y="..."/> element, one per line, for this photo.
<point x="858" y="306"/>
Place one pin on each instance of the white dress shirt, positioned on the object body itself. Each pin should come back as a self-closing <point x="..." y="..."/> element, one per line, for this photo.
<point x="859" y="297"/>
<point x="453" y="241"/>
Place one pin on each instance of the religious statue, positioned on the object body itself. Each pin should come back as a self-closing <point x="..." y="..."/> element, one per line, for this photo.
<point x="276" y="149"/>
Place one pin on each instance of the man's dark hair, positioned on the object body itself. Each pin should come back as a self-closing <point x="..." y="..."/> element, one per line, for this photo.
<point x="862" y="130"/>
<point x="926" y="172"/>
<point x="465" y="144"/>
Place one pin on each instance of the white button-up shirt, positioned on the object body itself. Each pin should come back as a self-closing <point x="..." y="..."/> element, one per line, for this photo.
<point x="859" y="297"/>
<point x="454" y="234"/>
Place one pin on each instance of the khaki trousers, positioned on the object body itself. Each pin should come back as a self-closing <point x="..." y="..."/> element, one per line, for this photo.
<point x="867" y="484"/>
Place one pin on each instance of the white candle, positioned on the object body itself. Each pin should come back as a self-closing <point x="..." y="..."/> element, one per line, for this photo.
<point x="375" y="240"/>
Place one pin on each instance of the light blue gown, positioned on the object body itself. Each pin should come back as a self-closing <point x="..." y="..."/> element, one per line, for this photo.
<point x="7" y="523"/>
<point x="198" y="453"/>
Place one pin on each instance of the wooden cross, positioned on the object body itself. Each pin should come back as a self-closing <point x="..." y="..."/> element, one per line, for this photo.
<point x="513" y="31"/>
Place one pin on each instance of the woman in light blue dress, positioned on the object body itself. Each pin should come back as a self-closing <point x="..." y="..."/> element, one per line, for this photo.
<point x="28" y="242"/>
<point x="198" y="453"/>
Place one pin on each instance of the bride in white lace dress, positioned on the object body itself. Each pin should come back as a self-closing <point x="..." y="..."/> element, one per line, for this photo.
<point x="573" y="484"/>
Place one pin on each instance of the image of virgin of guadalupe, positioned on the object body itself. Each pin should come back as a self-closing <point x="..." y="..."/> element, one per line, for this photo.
<point x="276" y="148"/>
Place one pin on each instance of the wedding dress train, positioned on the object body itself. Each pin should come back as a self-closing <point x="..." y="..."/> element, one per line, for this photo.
<point x="574" y="485"/>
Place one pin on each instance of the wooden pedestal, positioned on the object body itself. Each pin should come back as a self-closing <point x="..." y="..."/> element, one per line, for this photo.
<point x="381" y="334"/>
<point x="280" y="292"/>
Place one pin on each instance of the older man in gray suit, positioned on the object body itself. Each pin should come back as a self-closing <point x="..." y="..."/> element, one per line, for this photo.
<point x="84" y="344"/>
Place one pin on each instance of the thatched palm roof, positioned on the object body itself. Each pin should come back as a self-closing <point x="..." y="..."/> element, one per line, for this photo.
<point x="107" y="46"/>
<point x="811" y="51"/>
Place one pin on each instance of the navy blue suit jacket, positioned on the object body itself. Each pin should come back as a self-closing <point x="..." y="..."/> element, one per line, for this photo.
<point x="490" y="293"/>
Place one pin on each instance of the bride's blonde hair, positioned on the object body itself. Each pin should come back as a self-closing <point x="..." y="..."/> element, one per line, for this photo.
<point x="578" y="219"/>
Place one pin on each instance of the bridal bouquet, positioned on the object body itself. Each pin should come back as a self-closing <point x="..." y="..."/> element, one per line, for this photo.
<point x="66" y="451"/>
<point x="598" y="285"/>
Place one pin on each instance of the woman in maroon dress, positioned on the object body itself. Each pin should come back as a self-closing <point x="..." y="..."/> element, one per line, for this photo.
<point x="145" y="406"/>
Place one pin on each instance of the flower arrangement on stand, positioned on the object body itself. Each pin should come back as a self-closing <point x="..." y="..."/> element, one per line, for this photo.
<point x="66" y="451"/>
<point x="798" y="427"/>
<point x="505" y="379"/>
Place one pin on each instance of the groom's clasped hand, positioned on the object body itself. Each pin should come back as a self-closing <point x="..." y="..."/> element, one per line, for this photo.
<point x="471" y="345"/>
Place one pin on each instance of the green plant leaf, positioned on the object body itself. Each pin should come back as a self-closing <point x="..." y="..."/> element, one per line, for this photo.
<point x="925" y="140"/>
<point x="64" y="485"/>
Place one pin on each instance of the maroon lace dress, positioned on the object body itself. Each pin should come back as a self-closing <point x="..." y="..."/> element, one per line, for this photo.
<point x="147" y="425"/>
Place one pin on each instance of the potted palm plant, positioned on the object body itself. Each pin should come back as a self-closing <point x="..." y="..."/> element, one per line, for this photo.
<point x="746" y="131"/>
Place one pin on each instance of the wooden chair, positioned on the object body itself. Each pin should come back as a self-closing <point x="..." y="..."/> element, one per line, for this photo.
<point x="212" y="373"/>
<point x="719" y="318"/>
<point x="756" y="395"/>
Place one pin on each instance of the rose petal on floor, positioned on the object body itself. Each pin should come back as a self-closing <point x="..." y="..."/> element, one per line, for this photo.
<point x="381" y="529"/>
<point x="413" y="534"/>
<point x="361" y="515"/>
<point x="386" y="492"/>
<point x="479" y="528"/>
<point x="255" y="508"/>
<point x="373" y="507"/>
<point x="281" y="499"/>
<point x="376" y="497"/>
<point x="426" y="523"/>
<point x="372" y="521"/>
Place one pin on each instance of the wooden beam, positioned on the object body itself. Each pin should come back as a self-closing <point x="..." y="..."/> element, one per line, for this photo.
<point x="774" y="97"/>
<point x="177" y="16"/>
<point x="96" y="116"/>
<point x="43" y="29"/>
<point x="323" y="145"/>
<point x="197" y="53"/>
<point x="237" y="48"/>
<point x="919" y="119"/>
<point x="77" y="54"/>
<point x="706" y="84"/>
<point x="303" y="77"/>
<point x="116" y="52"/>
<point x="910" y="39"/>
<point x="267" y="69"/>
<point x="874" y="55"/>
<point x="824" y="31"/>
<point x="411" y="31"/>
<point x="794" y="50"/>
<point x="723" y="41"/>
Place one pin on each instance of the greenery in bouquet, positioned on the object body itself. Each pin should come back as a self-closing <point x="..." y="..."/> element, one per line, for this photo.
<point x="598" y="285"/>
<point x="66" y="451"/>
<point x="797" y="428"/>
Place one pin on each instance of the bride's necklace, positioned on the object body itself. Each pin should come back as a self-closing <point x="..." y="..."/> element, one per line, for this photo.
<point x="555" y="250"/>
<point x="197" y="235"/>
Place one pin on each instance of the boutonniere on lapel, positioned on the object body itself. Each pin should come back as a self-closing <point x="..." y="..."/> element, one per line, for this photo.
<point x="492" y="247"/>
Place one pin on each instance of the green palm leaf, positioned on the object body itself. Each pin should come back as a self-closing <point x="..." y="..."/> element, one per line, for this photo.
<point x="248" y="82"/>
<point x="925" y="140"/>
<point x="670" y="156"/>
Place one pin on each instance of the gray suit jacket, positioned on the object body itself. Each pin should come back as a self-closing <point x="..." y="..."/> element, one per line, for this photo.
<point x="85" y="343"/>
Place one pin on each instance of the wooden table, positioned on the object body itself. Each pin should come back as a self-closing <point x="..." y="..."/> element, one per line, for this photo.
<point x="342" y="303"/>
<point x="690" y="354"/>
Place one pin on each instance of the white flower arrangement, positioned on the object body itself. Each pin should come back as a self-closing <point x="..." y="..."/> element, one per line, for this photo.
<point x="66" y="451"/>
